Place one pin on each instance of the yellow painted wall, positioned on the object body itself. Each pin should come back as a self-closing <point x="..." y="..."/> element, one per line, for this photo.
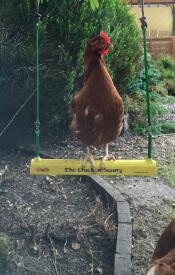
<point x="159" y="19"/>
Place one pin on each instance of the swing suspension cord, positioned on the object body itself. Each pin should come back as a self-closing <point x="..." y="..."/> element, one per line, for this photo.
<point x="37" y="122"/>
<point x="144" y="27"/>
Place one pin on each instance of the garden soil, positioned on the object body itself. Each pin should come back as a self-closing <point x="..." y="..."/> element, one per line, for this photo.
<point x="59" y="225"/>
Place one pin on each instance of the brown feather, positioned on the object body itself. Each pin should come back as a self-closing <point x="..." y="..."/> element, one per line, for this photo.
<point x="166" y="242"/>
<point x="164" y="254"/>
<point x="97" y="108"/>
<point x="165" y="265"/>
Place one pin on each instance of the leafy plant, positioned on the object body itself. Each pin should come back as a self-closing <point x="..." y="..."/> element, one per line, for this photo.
<point x="166" y="62"/>
<point x="136" y="101"/>
<point x="94" y="4"/>
<point x="153" y="77"/>
<point x="166" y="65"/>
<point x="65" y="28"/>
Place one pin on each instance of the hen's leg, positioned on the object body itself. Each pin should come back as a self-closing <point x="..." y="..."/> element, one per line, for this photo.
<point x="107" y="156"/>
<point x="89" y="157"/>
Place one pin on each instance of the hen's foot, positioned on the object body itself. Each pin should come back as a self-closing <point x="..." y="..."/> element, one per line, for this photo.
<point x="107" y="157"/>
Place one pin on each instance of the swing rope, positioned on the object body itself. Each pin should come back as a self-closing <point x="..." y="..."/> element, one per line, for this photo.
<point x="57" y="167"/>
<point x="144" y="27"/>
<point x="37" y="122"/>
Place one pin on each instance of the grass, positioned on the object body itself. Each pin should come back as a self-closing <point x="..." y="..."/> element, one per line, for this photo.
<point x="167" y="171"/>
<point x="168" y="99"/>
<point x="167" y="127"/>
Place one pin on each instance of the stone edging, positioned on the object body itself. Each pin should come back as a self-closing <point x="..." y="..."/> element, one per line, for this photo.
<point x="122" y="261"/>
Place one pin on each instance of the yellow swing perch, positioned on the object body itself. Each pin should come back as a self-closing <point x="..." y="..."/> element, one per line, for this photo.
<point x="120" y="167"/>
<point x="67" y="167"/>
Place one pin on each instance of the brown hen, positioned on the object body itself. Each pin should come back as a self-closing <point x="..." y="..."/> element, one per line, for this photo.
<point x="97" y="108"/>
<point x="163" y="260"/>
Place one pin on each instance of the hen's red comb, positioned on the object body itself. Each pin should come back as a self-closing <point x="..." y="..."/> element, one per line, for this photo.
<point x="105" y="36"/>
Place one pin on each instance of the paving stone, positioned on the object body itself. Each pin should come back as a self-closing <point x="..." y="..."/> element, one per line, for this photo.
<point x="122" y="265"/>
<point x="124" y="231"/>
<point x="122" y="262"/>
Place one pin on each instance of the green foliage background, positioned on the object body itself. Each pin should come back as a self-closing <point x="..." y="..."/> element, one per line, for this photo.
<point x="65" y="29"/>
<point x="161" y="81"/>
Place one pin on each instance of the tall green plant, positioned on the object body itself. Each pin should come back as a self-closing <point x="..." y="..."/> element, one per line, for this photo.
<point x="94" y="4"/>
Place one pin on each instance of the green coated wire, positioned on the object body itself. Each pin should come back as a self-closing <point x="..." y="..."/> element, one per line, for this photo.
<point x="37" y="123"/>
<point x="147" y="98"/>
<point x="144" y="27"/>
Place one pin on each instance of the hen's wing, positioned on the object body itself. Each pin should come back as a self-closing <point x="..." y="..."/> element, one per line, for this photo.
<point x="87" y="120"/>
<point x="166" y="241"/>
<point x="97" y="110"/>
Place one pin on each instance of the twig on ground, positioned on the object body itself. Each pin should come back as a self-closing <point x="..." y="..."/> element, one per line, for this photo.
<point x="53" y="249"/>
<point x="105" y="222"/>
<point x="65" y="246"/>
<point x="87" y="227"/>
<point x="23" y="221"/>
<point x="54" y="255"/>
<point x="92" y="257"/>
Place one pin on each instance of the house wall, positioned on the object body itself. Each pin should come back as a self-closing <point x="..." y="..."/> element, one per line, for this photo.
<point x="161" y="45"/>
<point x="159" y="19"/>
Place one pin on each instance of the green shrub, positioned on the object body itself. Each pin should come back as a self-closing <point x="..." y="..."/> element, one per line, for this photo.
<point x="136" y="100"/>
<point x="66" y="28"/>
<point x="166" y="65"/>
<point x="135" y="104"/>
<point x="153" y="76"/>
<point x="166" y="62"/>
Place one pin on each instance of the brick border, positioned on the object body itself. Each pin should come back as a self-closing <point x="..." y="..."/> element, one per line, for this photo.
<point x="122" y="257"/>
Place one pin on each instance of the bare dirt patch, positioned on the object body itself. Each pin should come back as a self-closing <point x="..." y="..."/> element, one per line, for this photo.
<point x="151" y="199"/>
<point x="32" y="211"/>
<point x="56" y="225"/>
